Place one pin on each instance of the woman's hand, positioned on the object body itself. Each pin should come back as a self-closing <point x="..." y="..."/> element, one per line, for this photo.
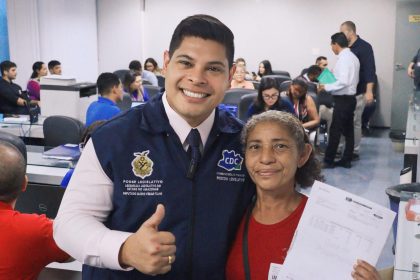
<point x="364" y="271"/>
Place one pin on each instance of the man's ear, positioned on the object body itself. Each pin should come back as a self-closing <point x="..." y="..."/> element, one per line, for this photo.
<point x="24" y="184"/>
<point x="166" y="59"/>
<point x="231" y="73"/>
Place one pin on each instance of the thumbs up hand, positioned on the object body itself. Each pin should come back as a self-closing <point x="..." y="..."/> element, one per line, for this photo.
<point x="149" y="250"/>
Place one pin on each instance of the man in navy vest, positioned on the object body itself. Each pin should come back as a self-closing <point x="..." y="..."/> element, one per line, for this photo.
<point x="160" y="189"/>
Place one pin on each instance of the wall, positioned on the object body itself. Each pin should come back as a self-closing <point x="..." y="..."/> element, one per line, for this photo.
<point x="91" y="36"/>
<point x="54" y="29"/>
<point x="290" y="33"/>
<point x="120" y="33"/>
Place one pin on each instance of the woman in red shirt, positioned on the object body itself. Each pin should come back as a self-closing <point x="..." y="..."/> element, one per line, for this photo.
<point x="278" y="156"/>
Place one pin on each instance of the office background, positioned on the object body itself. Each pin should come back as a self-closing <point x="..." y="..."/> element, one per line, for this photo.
<point x="93" y="36"/>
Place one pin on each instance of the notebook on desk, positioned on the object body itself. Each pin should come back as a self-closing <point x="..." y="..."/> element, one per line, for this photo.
<point x="64" y="152"/>
<point x="40" y="199"/>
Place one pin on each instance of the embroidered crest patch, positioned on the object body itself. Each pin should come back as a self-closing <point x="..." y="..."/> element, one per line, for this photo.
<point x="142" y="164"/>
<point x="230" y="160"/>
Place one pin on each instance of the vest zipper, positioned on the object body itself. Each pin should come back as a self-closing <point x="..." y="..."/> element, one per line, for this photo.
<point x="190" y="247"/>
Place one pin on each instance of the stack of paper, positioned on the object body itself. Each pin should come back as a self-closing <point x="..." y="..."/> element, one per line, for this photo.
<point x="64" y="152"/>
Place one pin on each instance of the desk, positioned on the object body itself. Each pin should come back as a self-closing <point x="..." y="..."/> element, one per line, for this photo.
<point x="407" y="251"/>
<point x="45" y="171"/>
<point x="51" y="171"/>
<point x="24" y="129"/>
<point x="412" y="142"/>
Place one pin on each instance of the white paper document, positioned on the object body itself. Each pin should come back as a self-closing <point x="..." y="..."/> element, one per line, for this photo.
<point x="336" y="229"/>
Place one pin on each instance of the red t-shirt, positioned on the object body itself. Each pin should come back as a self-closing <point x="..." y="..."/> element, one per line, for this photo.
<point x="26" y="244"/>
<point x="266" y="244"/>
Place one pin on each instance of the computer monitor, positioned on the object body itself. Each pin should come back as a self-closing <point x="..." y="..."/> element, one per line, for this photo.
<point x="40" y="199"/>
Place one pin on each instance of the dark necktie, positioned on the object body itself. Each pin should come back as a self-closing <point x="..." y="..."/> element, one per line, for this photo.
<point x="193" y="140"/>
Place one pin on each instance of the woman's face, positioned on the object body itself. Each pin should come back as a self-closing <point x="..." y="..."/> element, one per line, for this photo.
<point x="43" y="71"/>
<point x="136" y="84"/>
<point x="150" y="67"/>
<point x="261" y="69"/>
<point x="239" y="75"/>
<point x="272" y="157"/>
<point x="297" y="91"/>
<point x="270" y="96"/>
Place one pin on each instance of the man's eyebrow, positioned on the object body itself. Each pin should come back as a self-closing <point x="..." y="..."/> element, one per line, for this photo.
<point x="184" y="56"/>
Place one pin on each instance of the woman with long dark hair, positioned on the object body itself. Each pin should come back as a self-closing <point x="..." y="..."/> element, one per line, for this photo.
<point x="303" y="104"/>
<point x="39" y="69"/>
<point x="132" y="85"/>
<point x="264" y="69"/>
<point x="269" y="99"/>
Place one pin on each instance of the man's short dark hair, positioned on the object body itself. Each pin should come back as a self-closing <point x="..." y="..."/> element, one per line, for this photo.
<point x="205" y="27"/>
<point x="106" y="81"/>
<point x="6" y="65"/>
<point x="53" y="63"/>
<point x="314" y="70"/>
<point x="12" y="172"/>
<point x="350" y="25"/>
<point x="319" y="58"/>
<point x="340" y="39"/>
<point x="135" y="65"/>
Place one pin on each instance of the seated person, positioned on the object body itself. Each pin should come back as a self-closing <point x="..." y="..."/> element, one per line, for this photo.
<point x="264" y="69"/>
<point x="26" y="241"/>
<point x="110" y="90"/>
<point x="239" y="81"/>
<point x="321" y="61"/>
<point x="304" y="106"/>
<point x="151" y="65"/>
<point x="276" y="142"/>
<point x="39" y="69"/>
<point x="240" y="62"/>
<point x="135" y="66"/>
<point x="12" y="99"/>
<point x="54" y="66"/>
<point x="269" y="99"/>
<point x="133" y="86"/>
<point x="312" y="74"/>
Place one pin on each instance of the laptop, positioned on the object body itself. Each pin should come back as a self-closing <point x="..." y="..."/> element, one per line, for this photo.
<point x="40" y="199"/>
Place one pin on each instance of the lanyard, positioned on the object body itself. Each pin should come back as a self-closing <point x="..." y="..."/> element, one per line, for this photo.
<point x="245" y="240"/>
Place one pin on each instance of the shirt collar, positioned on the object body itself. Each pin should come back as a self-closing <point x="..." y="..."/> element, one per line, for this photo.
<point x="182" y="128"/>
<point x="5" y="206"/>
<point x="105" y="100"/>
<point x="343" y="52"/>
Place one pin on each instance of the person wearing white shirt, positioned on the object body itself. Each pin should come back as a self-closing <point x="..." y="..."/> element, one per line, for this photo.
<point x="346" y="71"/>
<point x="160" y="191"/>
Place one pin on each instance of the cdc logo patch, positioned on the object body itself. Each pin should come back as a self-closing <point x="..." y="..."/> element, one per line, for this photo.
<point x="230" y="161"/>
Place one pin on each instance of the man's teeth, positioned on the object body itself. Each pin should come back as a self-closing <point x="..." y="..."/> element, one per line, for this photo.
<point x="194" y="94"/>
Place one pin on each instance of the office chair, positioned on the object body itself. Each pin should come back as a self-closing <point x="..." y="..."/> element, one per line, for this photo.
<point x="285" y="86"/>
<point x="233" y="95"/>
<point x="245" y="102"/>
<point x="15" y="141"/>
<point x="125" y="104"/>
<point x="256" y="85"/>
<point x="281" y="73"/>
<point x="121" y="74"/>
<point x="279" y="78"/>
<point x="59" y="130"/>
<point x="161" y="81"/>
<point x="152" y="91"/>
<point x="312" y="87"/>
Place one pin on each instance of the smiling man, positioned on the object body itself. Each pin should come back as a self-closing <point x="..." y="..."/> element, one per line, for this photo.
<point x="167" y="196"/>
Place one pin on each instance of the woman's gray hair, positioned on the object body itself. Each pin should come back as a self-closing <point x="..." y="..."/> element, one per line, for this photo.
<point x="311" y="170"/>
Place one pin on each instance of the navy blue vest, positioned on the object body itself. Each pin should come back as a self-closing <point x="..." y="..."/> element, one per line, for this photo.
<point x="145" y="159"/>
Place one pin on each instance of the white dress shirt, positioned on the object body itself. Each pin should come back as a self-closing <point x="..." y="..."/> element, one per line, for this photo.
<point x="87" y="202"/>
<point x="346" y="71"/>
